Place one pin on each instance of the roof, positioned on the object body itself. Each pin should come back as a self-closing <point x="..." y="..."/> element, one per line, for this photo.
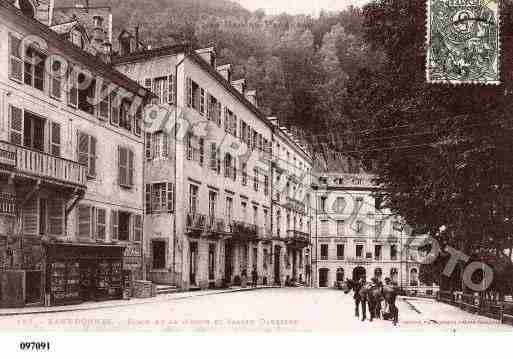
<point x="192" y="54"/>
<point x="70" y="49"/>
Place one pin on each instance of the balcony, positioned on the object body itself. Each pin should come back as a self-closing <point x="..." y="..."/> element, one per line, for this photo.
<point x="264" y="233"/>
<point x="195" y="223"/>
<point x="297" y="238"/>
<point x="43" y="165"/>
<point x="244" y="231"/>
<point x="215" y="227"/>
<point x="7" y="204"/>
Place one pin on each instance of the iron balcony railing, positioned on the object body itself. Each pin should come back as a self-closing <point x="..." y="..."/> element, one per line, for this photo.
<point x="244" y="230"/>
<point x="43" y="165"/>
<point x="7" y="204"/>
<point x="195" y="222"/>
<point x="298" y="236"/>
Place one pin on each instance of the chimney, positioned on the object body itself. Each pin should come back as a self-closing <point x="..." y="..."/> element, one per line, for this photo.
<point x="208" y="54"/>
<point x="240" y="85"/>
<point x="252" y="97"/>
<point x="225" y="71"/>
<point x="107" y="52"/>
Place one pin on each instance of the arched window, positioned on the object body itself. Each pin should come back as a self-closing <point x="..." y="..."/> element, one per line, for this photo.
<point x="414" y="277"/>
<point x="340" y="275"/>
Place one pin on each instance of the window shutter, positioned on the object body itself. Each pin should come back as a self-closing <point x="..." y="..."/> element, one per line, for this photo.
<point x="30" y="217"/>
<point x="201" y="143"/>
<point x="56" y="139"/>
<point x="171" y="89"/>
<point x="92" y="156"/>
<point x="114" y="108"/>
<point x="189" y="92"/>
<point x="114" y="225"/>
<point x="15" y="61"/>
<point x="123" y="166"/>
<point x="170" y="197"/>
<point x="148" y="147"/>
<point x="130" y="168"/>
<point x="16" y="120"/>
<point x="137" y="228"/>
<point x="101" y="223"/>
<point x="234" y="168"/>
<point x="84" y="221"/>
<point x="155" y="90"/>
<point x="72" y="87"/>
<point x="83" y="149"/>
<point x="202" y="101"/>
<point x="56" y="216"/>
<point x="148" y="204"/>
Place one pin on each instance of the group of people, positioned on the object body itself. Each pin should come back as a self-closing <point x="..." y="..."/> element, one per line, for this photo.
<point x="374" y="294"/>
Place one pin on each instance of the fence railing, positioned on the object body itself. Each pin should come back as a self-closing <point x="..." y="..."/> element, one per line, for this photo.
<point x="500" y="310"/>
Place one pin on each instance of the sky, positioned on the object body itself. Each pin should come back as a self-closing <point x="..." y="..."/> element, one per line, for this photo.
<point x="298" y="6"/>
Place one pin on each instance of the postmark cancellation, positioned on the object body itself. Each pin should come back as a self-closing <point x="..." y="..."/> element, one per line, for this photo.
<point x="463" y="43"/>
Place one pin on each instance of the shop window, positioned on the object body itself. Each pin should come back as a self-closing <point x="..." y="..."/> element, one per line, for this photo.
<point x="159" y="254"/>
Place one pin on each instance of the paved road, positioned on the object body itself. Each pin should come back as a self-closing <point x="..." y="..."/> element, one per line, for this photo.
<point x="294" y="309"/>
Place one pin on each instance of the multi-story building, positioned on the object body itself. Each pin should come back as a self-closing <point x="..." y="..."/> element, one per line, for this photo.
<point x="291" y="207"/>
<point x="354" y="237"/>
<point x="71" y="174"/>
<point x="208" y="174"/>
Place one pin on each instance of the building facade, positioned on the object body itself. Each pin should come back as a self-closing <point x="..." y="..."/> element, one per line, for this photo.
<point x="354" y="237"/>
<point x="71" y="174"/>
<point x="208" y="186"/>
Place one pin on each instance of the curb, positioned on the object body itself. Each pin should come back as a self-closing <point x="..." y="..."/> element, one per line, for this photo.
<point x="62" y="309"/>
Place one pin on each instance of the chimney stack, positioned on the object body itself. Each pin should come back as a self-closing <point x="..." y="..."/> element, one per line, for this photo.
<point x="273" y="120"/>
<point x="240" y="85"/>
<point x="208" y="54"/>
<point x="225" y="71"/>
<point x="252" y="97"/>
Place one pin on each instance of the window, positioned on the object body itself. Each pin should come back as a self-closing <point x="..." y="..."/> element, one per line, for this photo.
<point x="28" y="129"/>
<point x="255" y="215"/>
<point x="211" y="261"/>
<point x="161" y="88"/>
<point x="393" y="252"/>
<point x="193" y="96"/>
<point x="266" y="219"/>
<point x="229" y="209"/>
<point x="414" y="281"/>
<point x="359" y="227"/>
<point x="158" y="254"/>
<point x="104" y="102"/>
<point x="340" y="274"/>
<point x="266" y="185"/>
<point x="157" y="145"/>
<point x="15" y="60"/>
<point x="86" y="92"/>
<point x="244" y="209"/>
<point x="138" y="228"/>
<point x="214" y="158"/>
<point x="159" y="197"/>
<point x="340" y="228"/>
<point x="92" y="222"/>
<point x="87" y="153"/>
<point x="212" y="203"/>
<point x="214" y="110"/>
<point x="56" y="80"/>
<point x="255" y="179"/>
<point x="228" y="164"/>
<point x="278" y="223"/>
<point x="125" y="115"/>
<point x="359" y="251"/>
<point x="340" y="251"/>
<point x="266" y="258"/>
<point x="126" y="167"/>
<point x="324" y="251"/>
<point x="244" y="171"/>
<point x="202" y="102"/>
<point x="201" y="143"/>
<point x="123" y="226"/>
<point x="377" y="252"/>
<point x="51" y="215"/>
<point x="193" y="198"/>
<point x="34" y="68"/>
<point x="322" y="203"/>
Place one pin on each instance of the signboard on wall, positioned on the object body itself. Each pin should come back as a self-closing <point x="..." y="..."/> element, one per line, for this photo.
<point x="132" y="258"/>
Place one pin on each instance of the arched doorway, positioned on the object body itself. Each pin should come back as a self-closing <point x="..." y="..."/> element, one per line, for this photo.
<point x="359" y="272"/>
<point x="414" y="281"/>
<point x="323" y="277"/>
<point x="340" y="274"/>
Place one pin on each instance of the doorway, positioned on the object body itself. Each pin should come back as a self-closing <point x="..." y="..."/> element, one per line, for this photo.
<point x="277" y="274"/>
<point x="323" y="277"/>
<point x="193" y="262"/>
<point x="228" y="269"/>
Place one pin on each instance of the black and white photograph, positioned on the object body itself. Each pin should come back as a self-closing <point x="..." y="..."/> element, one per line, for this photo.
<point x="255" y="167"/>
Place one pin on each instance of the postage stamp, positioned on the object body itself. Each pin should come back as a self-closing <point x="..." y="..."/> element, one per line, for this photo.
<point x="463" y="44"/>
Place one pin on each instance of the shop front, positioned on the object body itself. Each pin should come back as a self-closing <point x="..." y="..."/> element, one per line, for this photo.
<point x="84" y="272"/>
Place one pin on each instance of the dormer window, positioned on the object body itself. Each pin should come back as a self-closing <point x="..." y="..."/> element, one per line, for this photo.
<point x="76" y="38"/>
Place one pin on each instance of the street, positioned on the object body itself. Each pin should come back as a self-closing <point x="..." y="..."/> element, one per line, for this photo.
<point x="290" y="309"/>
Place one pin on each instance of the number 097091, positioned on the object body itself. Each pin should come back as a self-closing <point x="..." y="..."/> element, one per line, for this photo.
<point x="35" y="346"/>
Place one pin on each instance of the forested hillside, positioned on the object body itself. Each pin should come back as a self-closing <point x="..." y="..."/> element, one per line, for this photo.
<point x="299" y="65"/>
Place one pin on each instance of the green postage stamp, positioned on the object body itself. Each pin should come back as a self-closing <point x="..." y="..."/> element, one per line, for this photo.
<point x="463" y="44"/>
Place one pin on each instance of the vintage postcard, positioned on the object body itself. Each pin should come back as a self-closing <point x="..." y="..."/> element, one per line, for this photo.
<point x="235" y="166"/>
<point x="463" y="40"/>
